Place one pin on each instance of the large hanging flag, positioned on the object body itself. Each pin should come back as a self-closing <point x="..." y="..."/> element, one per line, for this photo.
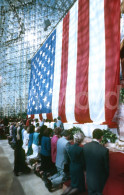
<point x="75" y="74"/>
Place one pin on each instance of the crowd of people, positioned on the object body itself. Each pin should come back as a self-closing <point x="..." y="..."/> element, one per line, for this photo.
<point x="56" y="159"/>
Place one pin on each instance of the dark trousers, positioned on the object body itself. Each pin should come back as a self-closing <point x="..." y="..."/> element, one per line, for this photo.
<point x="46" y="163"/>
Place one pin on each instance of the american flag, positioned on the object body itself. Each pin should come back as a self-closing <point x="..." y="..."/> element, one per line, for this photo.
<point x="75" y="74"/>
<point x="42" y="75"/>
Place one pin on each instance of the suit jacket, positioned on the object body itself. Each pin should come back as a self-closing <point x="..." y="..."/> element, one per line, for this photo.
<point x="77" y="166"/>
<point x="97" y="165"/>
<point x="61" y="156"/>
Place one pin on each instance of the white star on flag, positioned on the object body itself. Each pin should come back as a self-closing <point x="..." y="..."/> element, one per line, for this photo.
<point x="36" y="108"/>
<point x="47" y="85"/>
<point x="45" y="99"/>
<point x="40" y="106"/>
<point x="51" y="78"/>
<point x="48" y="105"/>
<point x="42" y="66"/>
<point x="33" y="103"/>
<point x="41" y="94"/>
<point x="52" y="63"/>
<point x="50" y="91"/>
<point x="48" y="72"/>
<point x="52" y="50"/>
<point x="46" y="45"/>
<point x="39" y="73"/>
<point x="48" y="60"/>
<point x="41" y="76"/>
<point x="43" y="81"/>
<point x="40" y="63"/>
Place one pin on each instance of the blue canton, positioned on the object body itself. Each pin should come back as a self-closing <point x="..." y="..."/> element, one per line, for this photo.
<point x="42" y="76"/>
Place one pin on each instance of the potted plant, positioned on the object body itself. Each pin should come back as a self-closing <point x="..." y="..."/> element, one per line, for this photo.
<point x="108" y="137"/>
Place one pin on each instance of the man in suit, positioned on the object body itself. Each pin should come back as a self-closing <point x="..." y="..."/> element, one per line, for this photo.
<point x="61" y="159"/>
<point x="97" y="164"/>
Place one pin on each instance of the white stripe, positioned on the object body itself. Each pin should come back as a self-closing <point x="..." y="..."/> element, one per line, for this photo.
<point x="36" y="116"/>
<point x="29" y="115"/>
<point x="57" y="70"/>
<point x="44" y="115"/>
<point x="72" y="61"/>
<point x="96" y="78"/>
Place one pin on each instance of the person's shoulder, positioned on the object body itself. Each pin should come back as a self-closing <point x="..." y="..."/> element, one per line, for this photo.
<point x="104" y="148"/>
<point x="87" y="144"/>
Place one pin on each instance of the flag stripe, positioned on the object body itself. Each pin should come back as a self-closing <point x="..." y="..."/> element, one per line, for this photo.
<point x="44" y="115"/>
<point x="81" y="106"/>
<point x="77" y="68"/>
<point x="96" y="78"/>
<point x="40" y="116"/>
<point x="36" y="116"/>
<point x="57" y="71"/>
<point x="64" y="67"/>
<point x="49" y="116"/>
<point x="72" y="64"/>
<point x="112" y="37"/>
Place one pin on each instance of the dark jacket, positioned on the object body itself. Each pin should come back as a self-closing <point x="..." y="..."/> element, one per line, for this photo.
<point x="97" y="165"/>
<point x="46" y="146"/>
<point x="77" y="166"/>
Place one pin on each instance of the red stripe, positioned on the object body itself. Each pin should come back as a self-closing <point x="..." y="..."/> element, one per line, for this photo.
<point x="32" y="116"/>
<point x="40" y="116"/>
<point x="112" y="41"/>
<point x="64" y="68"/>
<point x="49" y="116"/>
<point x="82" y="106"/>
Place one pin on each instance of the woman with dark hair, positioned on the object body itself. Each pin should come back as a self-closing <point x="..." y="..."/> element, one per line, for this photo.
<point x="46" y="162"/>
<point x="35" y="144"/>
<point x="54" y="139"/>
<point x="42" y="128"/>
<point x="19" y="159"/>
<point x="31" y="132"/>
<point x="56" y="136"/>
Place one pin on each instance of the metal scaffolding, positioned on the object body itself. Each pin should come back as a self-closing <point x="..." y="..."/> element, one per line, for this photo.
<point x="24" y="25"/>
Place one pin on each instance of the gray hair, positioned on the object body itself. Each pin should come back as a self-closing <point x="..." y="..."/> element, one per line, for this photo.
<point x="78" y="137"/>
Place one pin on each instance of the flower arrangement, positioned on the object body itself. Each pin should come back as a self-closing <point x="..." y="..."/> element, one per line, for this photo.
<point x="108" y="136"/>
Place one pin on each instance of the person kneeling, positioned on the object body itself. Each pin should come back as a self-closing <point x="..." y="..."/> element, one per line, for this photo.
<point x="19" y="160"/>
